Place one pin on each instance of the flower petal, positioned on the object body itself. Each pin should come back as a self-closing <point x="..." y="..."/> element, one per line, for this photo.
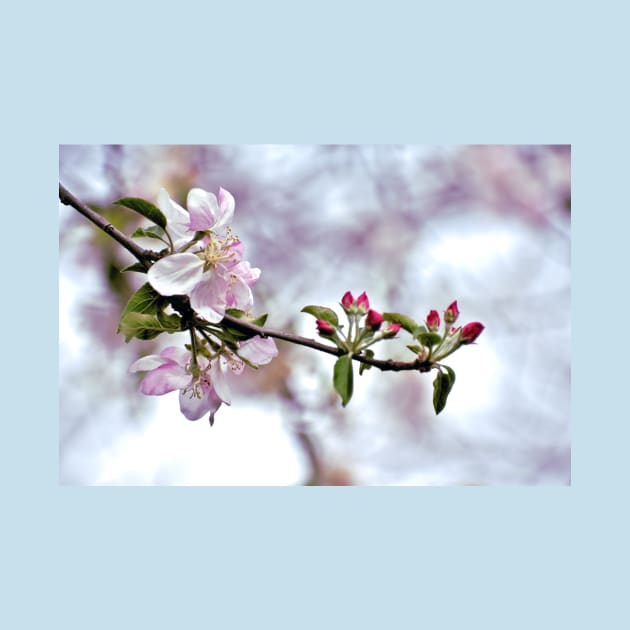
<point x="258" y="351"/>
<point x="179" y="355"/>
<point x="209" y="297"/>
<point x="219" y="381"/>
<point x="176" y="217"/>
<point x="143" y="364"/>
<point x="226" y="208"/>
<point x="193" y="408"/>
<point x="176" y="275"/>
<point x="164" y="379"/>
<point x="239" y="295"/>
<point x="203" y="209"/>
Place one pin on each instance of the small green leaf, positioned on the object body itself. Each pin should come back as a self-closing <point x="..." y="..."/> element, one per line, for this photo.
<point x="342" y="378"/>
<point x="429" y="339"/>
<point x="145" y="300"/>
<point x="135" y="267"/>
<point x="415" y="349"/>
<point x="419" y="330"/>
<point x="366" y="366"/>
<point x="147" y="326"/>
<point x="145" y="208"/>
<point x="235" y="312"/>
<point x="322" y="312"/>
<point x="260" y="320"/>
<point x="154" y="231"/>
<point x="442" y="386"/>
<point x="397" y="318"/>
<point x="451" y="375"/>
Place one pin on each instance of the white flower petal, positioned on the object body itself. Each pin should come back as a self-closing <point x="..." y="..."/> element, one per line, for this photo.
<point x="144" y="364"/>
<point x="203" y="209"/>
<point x="258" y="351"/>
<point x="209" y="297"/>
<point x="176" y="275"/>
<point x="181" y="356"/>
<point x="226" y="208"/>
<point x="177" y="218"/>
<point x="164" y="379"/>
<point x="219" y="382"/>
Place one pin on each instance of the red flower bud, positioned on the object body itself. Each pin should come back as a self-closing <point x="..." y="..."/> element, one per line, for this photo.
<point x="363" y="301"/>
<point x="471" y="331"/>
<point x="347" y="300"/>
<point x="451" y="313"/>
<point x="374" y="319"/>
<point x="324" y="327"/>
<point x="433" y="320"/>
<point x="391" y="329"/>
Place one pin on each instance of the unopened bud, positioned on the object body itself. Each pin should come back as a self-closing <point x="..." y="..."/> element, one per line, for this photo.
<point x="347" y="300"/>
<point x="471" y="331"/>
<point x="391" y="329"/>
<point x="433" y="320"/>
<point x="451" y="313"/>
<point x="324" y="327"/>
<point x="363" y="302"/>
<point x="374" y="319"/>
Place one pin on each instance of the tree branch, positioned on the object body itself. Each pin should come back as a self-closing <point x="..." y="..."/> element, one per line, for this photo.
<point x="147" y="257"/>
<point x="144" y="256"/>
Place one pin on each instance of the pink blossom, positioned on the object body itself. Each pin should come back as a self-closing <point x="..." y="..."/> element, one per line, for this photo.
<point x="433" y="320"/>
<point x="471" y="331"/>
<point x="213" y="275"/>
<point x="203" y="388"/>
<point x="374" y="319"/>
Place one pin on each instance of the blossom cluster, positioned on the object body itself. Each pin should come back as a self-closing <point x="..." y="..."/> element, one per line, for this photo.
<point x="206" y="264"/>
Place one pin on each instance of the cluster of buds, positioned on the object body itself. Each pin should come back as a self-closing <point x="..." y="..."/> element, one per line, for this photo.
<point x="366" y="326"/>
<point x="435" y="347"/>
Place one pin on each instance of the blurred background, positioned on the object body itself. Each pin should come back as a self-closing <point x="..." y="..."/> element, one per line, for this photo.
<point x="416" y="227"/>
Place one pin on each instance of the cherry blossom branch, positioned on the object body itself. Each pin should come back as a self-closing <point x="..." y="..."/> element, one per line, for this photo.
<point x="181" y="303"/>
<point x="388" y="365"/>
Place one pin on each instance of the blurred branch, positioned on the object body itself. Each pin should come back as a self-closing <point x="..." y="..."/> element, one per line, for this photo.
<point x="182" y="304"/>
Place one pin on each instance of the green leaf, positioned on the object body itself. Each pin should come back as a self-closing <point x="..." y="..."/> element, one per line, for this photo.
<point x="406" y="322"/>
<point x="147" y="326"/>
<point x="145" y="208"/>
<point x="442" y="386"/>
<point x="342" y="378"/>
<point x="366" y="366"/>
<point x="260" y="320"/>
<point x="154" y="231"/>
<point x="415" y="349"/>
<point x="321" y="312"/>
<point x="135" y="267"/>
<point x="429" y="339"/>
<point x="145" y="300"/>
<point x="419" y="330"/>
<point x="451" y="375"/>
<point x="144" y="317"/>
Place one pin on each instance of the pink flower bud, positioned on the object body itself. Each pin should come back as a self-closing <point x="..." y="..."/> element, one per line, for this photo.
<point x="433" y="320"/>
<point x="451" y="313"/>
<point x="471" y="331"/>
<point x="363" y="302"/>
<point x="391" y="329"/>
<point x="324" y="327"/>
<point x="374" y="319"/>
<point x="347" y="300"/>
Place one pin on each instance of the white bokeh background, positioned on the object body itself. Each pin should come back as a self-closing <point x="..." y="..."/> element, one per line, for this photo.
<point x="416" y="227"/>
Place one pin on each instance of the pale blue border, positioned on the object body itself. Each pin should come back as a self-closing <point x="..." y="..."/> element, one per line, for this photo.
<point x="315" y="558"/>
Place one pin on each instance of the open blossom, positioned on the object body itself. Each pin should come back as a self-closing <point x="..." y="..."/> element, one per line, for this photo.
<point x="213" y="274"/>
<point x="202" y="389"/>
